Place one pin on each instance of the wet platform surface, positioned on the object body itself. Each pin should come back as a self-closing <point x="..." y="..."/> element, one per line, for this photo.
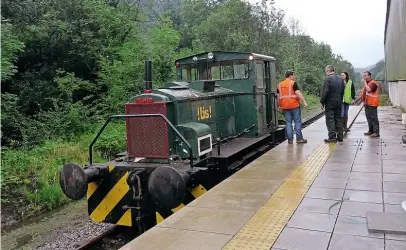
<point x="298" y="197"/>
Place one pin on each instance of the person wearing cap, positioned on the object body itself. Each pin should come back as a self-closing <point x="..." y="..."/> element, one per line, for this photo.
<point x="289" y="97"/>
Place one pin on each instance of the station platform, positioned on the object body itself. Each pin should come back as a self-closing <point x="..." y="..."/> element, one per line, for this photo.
<point x="312" y="196"/>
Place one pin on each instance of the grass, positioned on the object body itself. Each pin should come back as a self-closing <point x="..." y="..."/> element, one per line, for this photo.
<point x="313" y="106"/>
<point x="384" y="100"/>
<point x="30" y="178"/>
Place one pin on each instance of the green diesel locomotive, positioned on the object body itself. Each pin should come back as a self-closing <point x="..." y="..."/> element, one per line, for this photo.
<point x="182" y="139"/>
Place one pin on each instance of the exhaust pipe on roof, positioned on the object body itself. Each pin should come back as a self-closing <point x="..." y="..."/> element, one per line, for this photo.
<point x="148" y="77"/>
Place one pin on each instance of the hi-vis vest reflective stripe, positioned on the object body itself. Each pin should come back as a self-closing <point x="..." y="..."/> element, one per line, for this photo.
<point x="372" y="98"/>
<point x="287" y="96"/>
<point x="347" y="92"/>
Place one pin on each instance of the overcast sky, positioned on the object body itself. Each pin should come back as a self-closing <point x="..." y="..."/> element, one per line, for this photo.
<point x="353" y="28"/>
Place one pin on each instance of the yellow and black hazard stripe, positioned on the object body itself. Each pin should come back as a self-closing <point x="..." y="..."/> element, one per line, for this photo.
<point x="193" y="194"/>
<point x="106" y="201"/>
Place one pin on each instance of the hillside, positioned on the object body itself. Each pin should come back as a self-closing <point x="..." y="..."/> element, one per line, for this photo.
<point x="377" y="70"/>
<point x="361" y="70"/>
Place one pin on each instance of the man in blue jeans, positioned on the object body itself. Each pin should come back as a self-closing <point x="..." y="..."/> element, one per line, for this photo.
<point x="289" y="96"/>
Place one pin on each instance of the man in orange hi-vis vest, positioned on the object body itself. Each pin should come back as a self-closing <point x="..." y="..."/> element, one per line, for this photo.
<point x="288" y="96"/>
<point x="370" y="96"/>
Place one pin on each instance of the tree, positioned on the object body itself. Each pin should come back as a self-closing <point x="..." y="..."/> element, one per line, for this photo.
<point x="11" y="46"/>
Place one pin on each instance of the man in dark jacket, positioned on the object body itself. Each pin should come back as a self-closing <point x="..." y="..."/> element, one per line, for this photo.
<point x="331" y="99"/>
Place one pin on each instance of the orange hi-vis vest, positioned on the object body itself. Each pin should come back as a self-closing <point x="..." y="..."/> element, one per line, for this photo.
<point x="287" y="97"/>
<point x="372" y="98"/>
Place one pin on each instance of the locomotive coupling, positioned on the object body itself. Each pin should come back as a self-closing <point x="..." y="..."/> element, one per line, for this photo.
<point x="74" y="179"/>
<point x="168" y="186"/>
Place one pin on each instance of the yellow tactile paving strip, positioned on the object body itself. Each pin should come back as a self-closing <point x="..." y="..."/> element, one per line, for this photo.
<point x="265" y="226"/>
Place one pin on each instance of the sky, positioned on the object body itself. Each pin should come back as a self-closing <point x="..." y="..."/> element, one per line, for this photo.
<point x="356" y="31"/>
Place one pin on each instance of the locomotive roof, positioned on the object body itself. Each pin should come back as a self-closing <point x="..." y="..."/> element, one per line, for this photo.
<point x="227" y="55"/>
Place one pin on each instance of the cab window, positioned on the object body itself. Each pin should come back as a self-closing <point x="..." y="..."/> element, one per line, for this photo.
<point x="220" y="70"/>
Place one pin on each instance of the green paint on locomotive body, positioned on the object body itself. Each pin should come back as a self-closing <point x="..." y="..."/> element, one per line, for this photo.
<point x="225" y="94"/>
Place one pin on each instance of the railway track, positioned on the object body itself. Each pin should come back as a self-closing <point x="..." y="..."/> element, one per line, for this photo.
<point x="115" y="237"/>
<point x="315" y="117"/>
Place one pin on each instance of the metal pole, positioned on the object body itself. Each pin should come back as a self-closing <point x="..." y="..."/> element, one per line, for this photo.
<point x="148" y="75"/>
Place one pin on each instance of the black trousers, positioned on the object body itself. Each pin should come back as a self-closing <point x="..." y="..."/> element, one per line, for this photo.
<point x="372" y="117"/>
<point x="334" y="122"/>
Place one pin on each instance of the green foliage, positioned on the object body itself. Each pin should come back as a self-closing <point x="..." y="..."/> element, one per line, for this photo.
<point x="112" y="142"/>
<point x="30" y="178"/>
<point x="378" y="70"/>
<point x="225" y="22"/>
<point x="384" y="100"/>
<point x="10" y="47"/>
<point x="164" y="41"/>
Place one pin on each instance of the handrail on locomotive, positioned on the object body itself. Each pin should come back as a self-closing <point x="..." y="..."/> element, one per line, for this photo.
<point x="135" y="116"/>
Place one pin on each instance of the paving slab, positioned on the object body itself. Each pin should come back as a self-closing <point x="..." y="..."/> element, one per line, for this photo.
<point x="353" y="225"/>
<point x="394" y="157"/>
<point x="329" y="182"/>
<point x="394" y="177"/>
<point x="271" y="174"/>
<point x="363" y="196"/>
<point x="395" y="245"/>
<point x="395" y="237"/>
<point x="394" y="187"/>
<point x="391" y="162"/>
<point x="325" y="193"/>
<point x="366" y="176"/>
<point x="334" y="174"/>
<point x="271" y="165"/>
<point x="252" y="186"/>
<point x="231" y="200"/>
<point x="394" y="169"/>
<point x="319" y="206"/>
<point x="342" y="161"/>
<point x="159" y="238"/>
<point x="312" y="221"/>
<point x="351" y="242"/>
<point x="394" y="208"/>
<point x="367" y="168"/>
<point x="359" y="208"/>
<point x="207" y="220"/>
<point x="364" y="185"/>
<point x="384" y="222"/>
<point x="299" y="239"/>
<point x="394" y="198"/>
<point x="337" y="166"/>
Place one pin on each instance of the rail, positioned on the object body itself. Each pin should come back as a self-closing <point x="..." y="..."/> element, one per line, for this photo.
<point x="98" y="240"/>
<point x="309" y="120"/>
<point x="135" y="116"/>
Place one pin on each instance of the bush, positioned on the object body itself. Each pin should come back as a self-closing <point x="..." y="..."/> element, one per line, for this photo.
<point x="112" y="141"/>
<point x="30" y="178"/>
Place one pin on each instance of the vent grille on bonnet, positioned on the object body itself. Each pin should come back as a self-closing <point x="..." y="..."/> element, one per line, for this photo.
<point x="147" y="136"/>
